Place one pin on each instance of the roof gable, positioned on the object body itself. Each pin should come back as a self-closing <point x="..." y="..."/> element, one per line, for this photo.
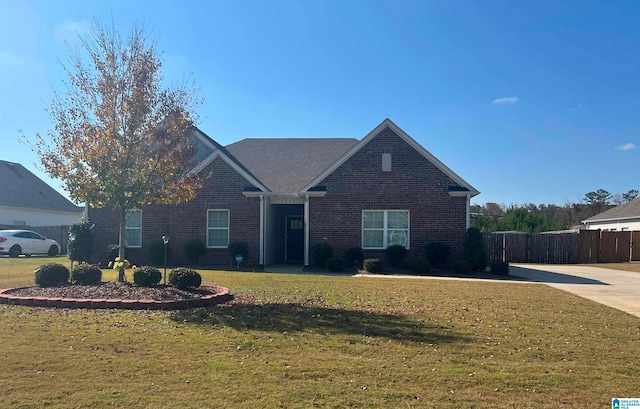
<point x="209" y="150"/>
<point x="464" y="187"/>
<point x="23" y="189"/>
<point x="629" y="210"/>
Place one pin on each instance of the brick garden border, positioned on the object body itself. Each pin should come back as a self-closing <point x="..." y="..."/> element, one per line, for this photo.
<point x="217" y="295"/>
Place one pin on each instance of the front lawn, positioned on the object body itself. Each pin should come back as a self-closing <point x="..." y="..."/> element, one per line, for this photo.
<point x="300" y="341"/>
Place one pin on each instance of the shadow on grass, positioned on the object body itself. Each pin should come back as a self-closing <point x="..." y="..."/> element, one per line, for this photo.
<point x="285" y="317"/>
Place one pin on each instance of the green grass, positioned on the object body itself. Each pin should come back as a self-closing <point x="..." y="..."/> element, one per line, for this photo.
<point x="300" y="341"/>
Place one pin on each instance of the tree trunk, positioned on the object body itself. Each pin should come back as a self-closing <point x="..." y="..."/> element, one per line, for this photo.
<point x="122" y="241"/>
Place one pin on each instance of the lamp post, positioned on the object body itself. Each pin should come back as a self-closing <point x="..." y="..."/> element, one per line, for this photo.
<point x="165" y="241"/>
<point x="72" y="238"/>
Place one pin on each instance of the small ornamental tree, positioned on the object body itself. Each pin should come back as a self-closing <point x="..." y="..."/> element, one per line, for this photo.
<point x="81" y="246"/>
<point x="119" y="138"/>
<point x="474" y="253"/>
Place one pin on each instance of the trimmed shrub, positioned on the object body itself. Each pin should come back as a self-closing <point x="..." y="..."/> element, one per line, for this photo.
<point x="146" y="276"/>
<point x="372" y="265"/>
<point x="238" y="248"/>
<point x="474" y="253"/>
<point x="334" y="264"/>
<point x="184" y="278"/>
<point x="193" y="250"/>
<point x="51" y="274"/>
<point x="500" y="268"/>
<point x="81" y="247"/>
<point x="353" y="258"/>
<point x="156" y="253"/>
<point x="420" y="267"/>
<point x="395" y="254"/>
<point x="462" y="267"/>
<point x="437" y="253"/>
<point x="320" y="253"/>
<point x="86" y="274"/>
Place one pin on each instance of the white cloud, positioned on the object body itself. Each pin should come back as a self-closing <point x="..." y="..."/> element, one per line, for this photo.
<point x="506" y="101"/>
<point x="68" y="30"/>
<point x="627" y="146"/>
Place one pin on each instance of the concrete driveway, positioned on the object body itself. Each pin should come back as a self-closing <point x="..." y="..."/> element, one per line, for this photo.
<point x="615" y="288"/>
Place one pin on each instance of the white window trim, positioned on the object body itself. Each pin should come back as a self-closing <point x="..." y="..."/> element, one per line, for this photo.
<point x="228" y="228"/>
<point x="385" y="228"/>
<point x="129" y="212"/>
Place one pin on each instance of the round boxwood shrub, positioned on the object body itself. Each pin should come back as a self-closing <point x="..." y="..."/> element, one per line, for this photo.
<point x="420" y="267"/>
<point x="373" y="265"/>
<point x="146" y="276"/>
<point x="395" y="254"/>
<point x="437" y="253"/>
<point x="334" y="264"/>
<point x="184" y="278"/>
<point x="462" y="267"/>
<point x="112" y="252"/>
<point x="51" y="274"/>
<point x="320" y="252"/>
<point x="193" y="250"/>
<point x="353" y="257"/>
<point x="500" y="268"/>
<point x="86" y="274"/>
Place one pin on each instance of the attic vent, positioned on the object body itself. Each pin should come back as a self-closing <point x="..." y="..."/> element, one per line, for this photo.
<point x="386" y="162"/>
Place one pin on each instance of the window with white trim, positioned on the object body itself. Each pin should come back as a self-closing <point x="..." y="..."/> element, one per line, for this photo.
<point x="133" y="229"/>
<point x="217" y="228"/>
<point x="383" y="228"/>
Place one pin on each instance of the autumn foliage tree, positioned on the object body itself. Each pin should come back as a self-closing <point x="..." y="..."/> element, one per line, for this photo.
<point x="120" y="138"/>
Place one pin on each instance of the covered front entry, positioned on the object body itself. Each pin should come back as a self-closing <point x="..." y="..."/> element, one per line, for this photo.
<point x="285" y="234"/>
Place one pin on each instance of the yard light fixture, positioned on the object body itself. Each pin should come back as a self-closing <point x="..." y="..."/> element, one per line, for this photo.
<point x="72" y="238"/>
<point x="165" y="241"/>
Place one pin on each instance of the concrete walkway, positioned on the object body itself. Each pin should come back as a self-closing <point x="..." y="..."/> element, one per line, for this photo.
<point x="615" y="288"/>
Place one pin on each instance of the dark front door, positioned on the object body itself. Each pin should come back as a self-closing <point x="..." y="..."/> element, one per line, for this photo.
<point x="294" y="239"/>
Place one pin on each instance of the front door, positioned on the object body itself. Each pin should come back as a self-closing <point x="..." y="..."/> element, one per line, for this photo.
<point x="294" y="239"/>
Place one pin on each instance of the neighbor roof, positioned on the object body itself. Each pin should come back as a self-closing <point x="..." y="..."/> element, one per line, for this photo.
<point x="21" y="188"/>
<point x="289" y="164"/>
<point x="629" y="210"/>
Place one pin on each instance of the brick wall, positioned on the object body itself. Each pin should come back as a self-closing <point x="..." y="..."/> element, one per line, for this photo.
<point x="414" y="184"/>
<point x="222" y="189"/>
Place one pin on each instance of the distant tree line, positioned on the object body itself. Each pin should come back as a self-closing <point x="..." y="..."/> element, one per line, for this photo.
<point x="534" y="218"/>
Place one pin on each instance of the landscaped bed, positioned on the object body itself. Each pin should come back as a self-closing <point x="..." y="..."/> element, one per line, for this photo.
<point x="299" y="341"/>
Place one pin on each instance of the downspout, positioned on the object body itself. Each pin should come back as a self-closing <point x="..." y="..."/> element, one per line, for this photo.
<point x="468" y="212"/>
<point x="262" y="232"/>
<point x="306" y="230"/>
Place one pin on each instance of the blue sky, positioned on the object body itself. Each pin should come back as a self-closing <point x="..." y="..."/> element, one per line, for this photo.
<point x="529" y="101"/>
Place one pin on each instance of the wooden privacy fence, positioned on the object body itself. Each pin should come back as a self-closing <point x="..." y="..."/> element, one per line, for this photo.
<point x="587" y="246"/>
<point x="556" y="248"/>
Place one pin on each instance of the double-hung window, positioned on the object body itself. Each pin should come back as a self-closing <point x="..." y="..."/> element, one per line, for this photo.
<point x="383" y="228"/>
<point x="133" y="229"/>
<point x="217" y="228"/>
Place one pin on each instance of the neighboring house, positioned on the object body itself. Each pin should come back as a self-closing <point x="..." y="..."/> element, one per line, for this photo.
<point x="25" y="200"/>
<point x="620" y="218"/>
<point x="283" y="196"/>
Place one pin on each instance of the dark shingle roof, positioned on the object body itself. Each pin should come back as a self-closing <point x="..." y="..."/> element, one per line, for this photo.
<point x="289" y="164"/>
<point x="21" y="188"/>
<point x="631" y="209"/>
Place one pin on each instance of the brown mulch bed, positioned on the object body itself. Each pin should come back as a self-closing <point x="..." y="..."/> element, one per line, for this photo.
<point x="112" y="290"/>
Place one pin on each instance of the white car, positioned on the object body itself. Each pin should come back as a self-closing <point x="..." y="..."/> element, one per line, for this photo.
<point x="16" y="242"/>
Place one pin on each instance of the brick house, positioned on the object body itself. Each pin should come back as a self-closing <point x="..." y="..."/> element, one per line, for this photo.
<point x="282" y="196"/>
